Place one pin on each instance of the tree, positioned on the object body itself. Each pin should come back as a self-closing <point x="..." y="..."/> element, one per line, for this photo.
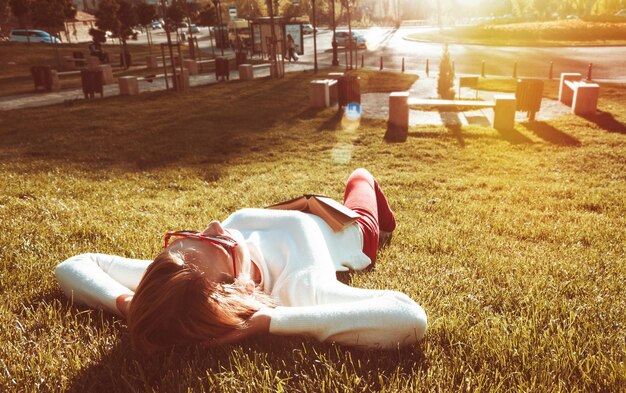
<point x="118" y="17"/>
<point x="208" y="16"/>
<point x="52" y="14"/>
<point x="145" y="14"/>
<point x="107" y="16"/>
<point x="445" y="82"/>
<point x="21" y="10"/>
<point x="175" y="16"/>
<point x="5" y="11"/>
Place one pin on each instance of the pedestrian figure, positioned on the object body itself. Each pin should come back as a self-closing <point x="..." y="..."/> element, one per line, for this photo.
<point x="291" y="49"/>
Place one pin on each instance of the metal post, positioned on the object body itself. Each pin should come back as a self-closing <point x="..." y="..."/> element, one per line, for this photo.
<point x="381" y="63"/>
<point x="482" y="69"/>
<point x="589" y="69"/>
<point x="427" y="69"/>
<point x="362" y="61"/>
<point x="403" y="64"/>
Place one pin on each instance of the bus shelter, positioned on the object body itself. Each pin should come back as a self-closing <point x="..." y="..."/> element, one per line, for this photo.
<point x="262" y="35"/>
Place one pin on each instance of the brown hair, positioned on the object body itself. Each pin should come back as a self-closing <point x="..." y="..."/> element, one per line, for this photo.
<point x="175" y="304"/>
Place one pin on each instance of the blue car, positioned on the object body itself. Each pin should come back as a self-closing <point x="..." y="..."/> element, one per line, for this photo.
<point x="24" y="35"/>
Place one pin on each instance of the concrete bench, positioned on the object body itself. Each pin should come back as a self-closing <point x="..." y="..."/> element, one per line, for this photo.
<point x="580" y="95"/>
<point x="504" y="106"/>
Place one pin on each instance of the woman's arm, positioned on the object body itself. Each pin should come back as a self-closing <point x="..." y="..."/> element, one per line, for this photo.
<point x="352" y="316"/>
<point x="98" y="280"/>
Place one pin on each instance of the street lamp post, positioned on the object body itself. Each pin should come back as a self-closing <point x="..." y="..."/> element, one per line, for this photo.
<point x="334" y="43"/>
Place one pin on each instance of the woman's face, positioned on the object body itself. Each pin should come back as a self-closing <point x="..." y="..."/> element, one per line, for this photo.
<point x="212" y="259"/>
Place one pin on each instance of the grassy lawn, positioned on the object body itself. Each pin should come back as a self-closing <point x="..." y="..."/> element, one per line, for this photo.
<point x="17" y="58"/>
<point x="513" y="243"/>
<point x="554" y="33"/>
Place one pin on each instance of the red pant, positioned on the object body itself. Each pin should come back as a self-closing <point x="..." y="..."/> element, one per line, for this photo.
<point x="364" y="196"/>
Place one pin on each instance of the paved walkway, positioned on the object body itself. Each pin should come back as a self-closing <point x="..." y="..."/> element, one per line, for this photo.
<point x="374" y="105"/>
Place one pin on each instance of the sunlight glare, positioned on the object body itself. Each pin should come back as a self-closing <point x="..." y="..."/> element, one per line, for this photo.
<point x="373" y="38"/>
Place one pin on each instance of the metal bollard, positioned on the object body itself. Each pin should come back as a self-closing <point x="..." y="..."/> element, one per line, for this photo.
<point x="482" y="69"/>
<point x="362" y="61"/>
<point x="403" y="64"/>
<point x="381" y="63"/>
<point x="515" y="70"/>
<point x="589" y="69"/>
<point x="551" y="69"/>
<point x="427" y="68"/>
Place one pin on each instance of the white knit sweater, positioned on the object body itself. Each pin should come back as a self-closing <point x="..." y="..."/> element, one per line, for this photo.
<point x="298" y="255"/>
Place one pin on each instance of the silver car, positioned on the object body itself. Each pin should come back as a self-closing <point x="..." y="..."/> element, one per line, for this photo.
<point x="342" y="39"/>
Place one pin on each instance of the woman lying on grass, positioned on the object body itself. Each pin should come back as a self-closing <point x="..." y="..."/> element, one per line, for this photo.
<point x="260" y="271"/>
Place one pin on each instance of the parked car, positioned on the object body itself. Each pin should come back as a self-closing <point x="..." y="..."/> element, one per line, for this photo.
<point x="23" y="35"/>
<point x="156" y="26"/>
<point x="307" y="28"/>
<point x="342" y="39"/>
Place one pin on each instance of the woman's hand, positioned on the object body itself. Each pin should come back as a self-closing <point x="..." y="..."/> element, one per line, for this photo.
<point x="258" y="324"/>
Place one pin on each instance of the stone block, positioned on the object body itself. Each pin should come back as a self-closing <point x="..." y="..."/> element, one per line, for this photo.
<point x="585" y="101"/>
<point x="183" y="79"/>
<point x="318" y="93"/>
<point x="399" y="109"/>
<point x="504" y="112"/>
<point x="333" y="92"/>
<point x="565" y="92"/>
<point x="129" y="86"/>
<point x="56" y="83"/>
<point x="191" y="65"/>
<point x="246" y="72"/>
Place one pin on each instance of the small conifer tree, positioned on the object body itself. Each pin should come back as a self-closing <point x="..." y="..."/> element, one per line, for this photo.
<point x="445" y="82"/>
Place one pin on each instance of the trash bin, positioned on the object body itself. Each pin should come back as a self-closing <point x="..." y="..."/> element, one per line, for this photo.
<point x="42" y="77"/>
<point x="241" y="58"/>
<point x="222" y="68"/>
<point x="92" y="82"/>
<point x="528" y="95"/>
<point x="348" y="90"/>
<point x="126" y="57"/>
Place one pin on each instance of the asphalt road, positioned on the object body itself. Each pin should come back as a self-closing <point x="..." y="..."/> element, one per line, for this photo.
<point x="609" y="62"/>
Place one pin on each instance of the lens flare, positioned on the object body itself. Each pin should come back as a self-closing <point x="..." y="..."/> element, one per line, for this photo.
<point x="352" y="116"/>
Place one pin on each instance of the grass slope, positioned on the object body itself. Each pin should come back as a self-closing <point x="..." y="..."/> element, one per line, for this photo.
<point x="513" y="242"/>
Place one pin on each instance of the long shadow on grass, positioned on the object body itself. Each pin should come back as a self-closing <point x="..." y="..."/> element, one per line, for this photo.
<point x="453" y="123"/>
<point x="606" y="121"/>
<point x="214" y="124"/>
<point x="550" y="134"/>
<point x="304" y="362"/>
<point x="515" y="137"/>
